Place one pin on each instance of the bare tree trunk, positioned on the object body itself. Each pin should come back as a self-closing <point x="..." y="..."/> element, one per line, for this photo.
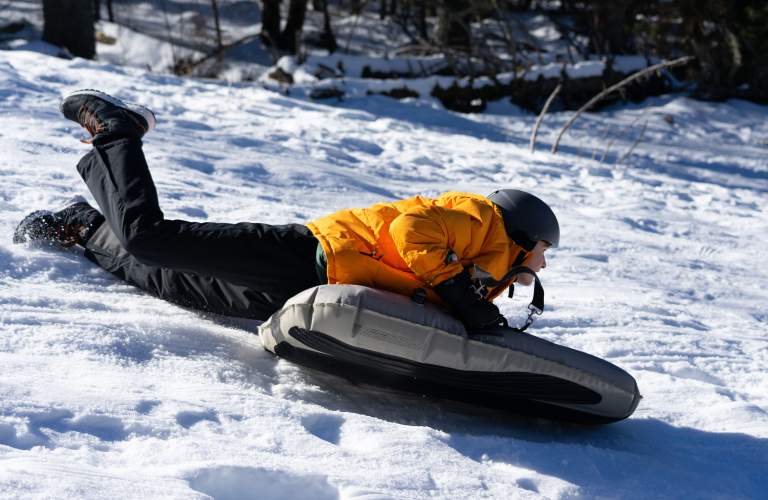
<point x="327" y="39"/>
<point x="69" y="23"/>
<point x="383" y="10"/>
<point x="109" y="11"/>
<point x="354" y="7"/>
<point x="97" y="10"/>
<point x="296" y="11"/>
<point x="450" y="31"/>
<point x="610" y="20"/>
<point x="219" y="45"/>
<point x="422" y="19"/>
<point x="270" y="21"/>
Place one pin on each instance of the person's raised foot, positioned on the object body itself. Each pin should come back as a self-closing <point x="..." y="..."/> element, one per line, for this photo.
<point x="104" y="116"/>
<point x="74" y="221"/>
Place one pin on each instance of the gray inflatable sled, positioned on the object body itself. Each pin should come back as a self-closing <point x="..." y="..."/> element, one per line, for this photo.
<point x="386" y="339"/>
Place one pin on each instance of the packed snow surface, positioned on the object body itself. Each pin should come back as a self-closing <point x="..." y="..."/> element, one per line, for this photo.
<point x="106" y="392"/>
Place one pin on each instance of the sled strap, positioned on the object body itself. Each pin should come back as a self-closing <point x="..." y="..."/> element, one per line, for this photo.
<point x="537" y="304"/>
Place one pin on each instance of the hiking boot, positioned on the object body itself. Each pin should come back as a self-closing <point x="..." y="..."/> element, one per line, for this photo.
<point x="104" y="116"/>
<point x="73" y="222"/>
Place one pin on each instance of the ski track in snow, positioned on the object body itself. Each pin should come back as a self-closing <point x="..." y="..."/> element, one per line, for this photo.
<point x="107" y="392"/>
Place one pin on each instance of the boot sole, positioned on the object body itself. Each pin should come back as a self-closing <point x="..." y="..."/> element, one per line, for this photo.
<point x="20" y="236"/>
<point x="142" y="111"/>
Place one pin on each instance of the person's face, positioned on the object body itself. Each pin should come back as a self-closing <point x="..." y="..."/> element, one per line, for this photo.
<point x="537" y="263"/>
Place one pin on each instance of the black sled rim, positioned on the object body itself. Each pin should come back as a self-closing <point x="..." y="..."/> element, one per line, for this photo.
<point x="522" y="393"/>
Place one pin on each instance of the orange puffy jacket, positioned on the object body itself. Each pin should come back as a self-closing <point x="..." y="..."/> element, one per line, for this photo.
<point x="406" y="244"/>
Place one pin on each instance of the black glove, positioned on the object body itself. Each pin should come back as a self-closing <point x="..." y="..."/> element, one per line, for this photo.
<point x="471" y="307"/>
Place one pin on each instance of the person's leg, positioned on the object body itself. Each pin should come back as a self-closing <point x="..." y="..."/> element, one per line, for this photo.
<point x="274" y="260"/>
<point x="189" y="290"/>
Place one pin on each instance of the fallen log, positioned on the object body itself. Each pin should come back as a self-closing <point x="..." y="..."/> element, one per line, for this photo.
<point x="575" y="92"/>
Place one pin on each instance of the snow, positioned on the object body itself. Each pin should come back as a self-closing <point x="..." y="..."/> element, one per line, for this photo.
<point x="345" y="73"/>
<point x="106" y="392"/>
<point x="40" y="47"/>
<point x="353" y="66"/>
<point x="131" y="48"/>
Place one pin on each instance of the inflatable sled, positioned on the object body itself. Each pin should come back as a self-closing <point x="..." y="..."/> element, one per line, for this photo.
<point x="390" y="340"/>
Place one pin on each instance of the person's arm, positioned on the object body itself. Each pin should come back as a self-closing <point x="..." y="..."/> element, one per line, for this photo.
<point x="425" y="236"/>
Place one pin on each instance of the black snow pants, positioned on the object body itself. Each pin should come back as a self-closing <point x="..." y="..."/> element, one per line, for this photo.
<point x="245" y="270"/>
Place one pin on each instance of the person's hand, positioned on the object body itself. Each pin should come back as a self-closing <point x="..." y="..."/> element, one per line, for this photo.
<point x="470" y="306"/>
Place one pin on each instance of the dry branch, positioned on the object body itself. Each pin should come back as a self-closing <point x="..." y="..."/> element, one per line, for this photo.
<point x="354" y="26"/>
<point x="543" y="112"/>
<point x="640" y="138"/>
<point x="607" y="91"/>
<point x="594" y="153"/>
<point x="273" y="52"/>
<point x="184" y="67"/>
<point x="621" y="132"/>
<point x="535" y="45"/>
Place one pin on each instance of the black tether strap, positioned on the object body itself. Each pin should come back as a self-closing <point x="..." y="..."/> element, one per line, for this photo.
<point x="537" y="304"/>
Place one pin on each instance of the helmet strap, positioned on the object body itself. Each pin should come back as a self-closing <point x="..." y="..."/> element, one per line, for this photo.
<point x="537" y="304"/>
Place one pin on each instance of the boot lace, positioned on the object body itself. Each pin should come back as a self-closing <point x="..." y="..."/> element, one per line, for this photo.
<point x="90" y="123"/>
<point x="68" y="235"/>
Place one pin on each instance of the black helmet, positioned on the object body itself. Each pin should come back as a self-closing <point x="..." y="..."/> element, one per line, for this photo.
<point x="527" y="219"/>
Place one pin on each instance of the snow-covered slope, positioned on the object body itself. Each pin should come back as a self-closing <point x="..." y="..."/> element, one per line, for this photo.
<point x="106" y="392"/>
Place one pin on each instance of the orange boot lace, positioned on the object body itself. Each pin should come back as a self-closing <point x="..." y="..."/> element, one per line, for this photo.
<point x="90" y="123"/>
